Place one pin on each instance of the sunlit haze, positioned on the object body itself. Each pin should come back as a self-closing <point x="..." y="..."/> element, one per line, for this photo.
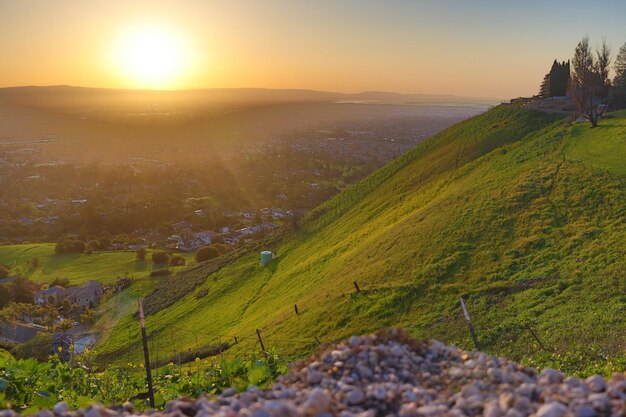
<point x="438" y="47"/>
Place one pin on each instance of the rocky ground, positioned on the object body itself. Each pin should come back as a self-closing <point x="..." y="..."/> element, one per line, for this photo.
<point x="389" y="374"/>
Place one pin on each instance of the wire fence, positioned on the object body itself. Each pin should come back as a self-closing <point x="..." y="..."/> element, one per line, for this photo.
<point x="179" y="344"/>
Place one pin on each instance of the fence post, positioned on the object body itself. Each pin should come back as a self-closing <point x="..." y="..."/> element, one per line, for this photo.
<point x="235" y="339"/>
<point x="146" y="354"/>
<point x="536" y="337"/>
<point x="357" y="287"/>
<point x="129" y="337"/>
<point x="470" y="325"/>
<point x="295" y="306"/>
<point x="258" y="335"/>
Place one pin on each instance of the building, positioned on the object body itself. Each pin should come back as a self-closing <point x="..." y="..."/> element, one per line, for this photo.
<point x="53" y="295"/>
<point x="86" y="295"/>
<point x="14" y="332"/>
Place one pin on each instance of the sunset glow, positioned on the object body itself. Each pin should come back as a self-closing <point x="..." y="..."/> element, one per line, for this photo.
<point x="456" y="47"/>
<point x="152" y="57"/>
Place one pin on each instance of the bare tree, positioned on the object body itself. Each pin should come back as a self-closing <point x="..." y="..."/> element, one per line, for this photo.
<point x="618" y="91"/>
<point x="589" y="81"/>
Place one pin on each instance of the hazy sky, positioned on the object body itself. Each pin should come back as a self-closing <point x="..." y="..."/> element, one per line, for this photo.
<point x="473" y="48"/>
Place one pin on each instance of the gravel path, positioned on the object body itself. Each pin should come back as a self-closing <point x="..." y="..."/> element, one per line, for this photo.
<point x="389" y="374"/>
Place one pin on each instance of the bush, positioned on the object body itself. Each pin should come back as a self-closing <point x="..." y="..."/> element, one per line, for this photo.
<point x="93" y="245"/>
<point x="177" y="260"/>
<point x="70" y="246"/>
<point x="77" y="246"/>
<point x="104" y="242"/>
<point x="160" y="258"/>
<point x="61" y="282"/>
<point x="160" y="273"/>
<point x="141" y="254"/>
<point x="60" y="248"/>
<point x="207" y="253"/>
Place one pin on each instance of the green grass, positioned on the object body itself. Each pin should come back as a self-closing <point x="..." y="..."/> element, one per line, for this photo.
<point x="590" y="146"/>
<point x="104" y="266"/>
<point x="498" y="209"/>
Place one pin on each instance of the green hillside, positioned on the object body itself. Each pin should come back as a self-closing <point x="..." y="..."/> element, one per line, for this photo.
<point x="515" y="210"/>
<point x="104" y="266"/>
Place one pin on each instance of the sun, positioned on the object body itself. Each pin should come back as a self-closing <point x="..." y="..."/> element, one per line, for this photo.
<point x="152" y="57"/>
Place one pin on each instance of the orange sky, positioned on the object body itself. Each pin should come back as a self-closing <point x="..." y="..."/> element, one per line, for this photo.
<point x="484" y="48"/>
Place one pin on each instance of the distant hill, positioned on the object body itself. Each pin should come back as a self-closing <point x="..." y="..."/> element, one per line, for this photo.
<point x="516" y="211"/>
<point x="63" y="96"/>
<point x="108" y="125"/>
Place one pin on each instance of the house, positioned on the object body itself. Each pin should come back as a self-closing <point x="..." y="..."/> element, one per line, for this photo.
<point x="15" y="332"/>
<point x="206" y="236"/>
<point x="184" y="225"/>
<point x="88" y="294"/>
<point x="56" y="293"/>
<point x="246" y="231"/>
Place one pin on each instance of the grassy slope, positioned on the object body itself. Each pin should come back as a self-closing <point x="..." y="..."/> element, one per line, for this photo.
<point x="105" y="267"/>
<point x="496" y="209"/>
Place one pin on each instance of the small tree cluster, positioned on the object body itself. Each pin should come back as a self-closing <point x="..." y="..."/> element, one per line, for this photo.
<point x="70" y="246"/>
<point x="556" y="81"/>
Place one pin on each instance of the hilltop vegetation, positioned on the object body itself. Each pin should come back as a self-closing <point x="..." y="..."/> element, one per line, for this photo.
<point x="509" y="209"/>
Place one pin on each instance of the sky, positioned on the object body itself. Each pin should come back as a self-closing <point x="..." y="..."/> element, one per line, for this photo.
<point x="478" y="48"/>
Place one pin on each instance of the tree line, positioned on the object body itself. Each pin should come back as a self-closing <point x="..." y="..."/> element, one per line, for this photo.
<point x="586" y="79"/>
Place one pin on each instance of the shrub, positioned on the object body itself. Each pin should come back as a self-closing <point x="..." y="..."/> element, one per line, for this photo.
<point x="177" y="260"/>
<point x="61" y="282"/>
<point x="60" y="248"/>
<point x="93" y="245"/>
<point x="207" y="253"/>
<point x="104" y="242"/>
<point x="160" y="273"/>
<point x="141" y="254"/>
<point x="160" y="258"/>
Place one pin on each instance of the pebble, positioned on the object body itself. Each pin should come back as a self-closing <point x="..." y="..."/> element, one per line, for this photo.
<point x="553" y="409"/>
<point x="596" y="383"/>
<point x="60" y="408"/>
<point x="389" y="373"/>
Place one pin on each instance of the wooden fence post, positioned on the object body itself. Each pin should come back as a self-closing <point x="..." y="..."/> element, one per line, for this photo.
<point x="536" y="337"/>
<point x="470" y="325"/>
<point x="295" y="306"/>
<point x="356" y="285"/>
<point x="258" y="335"/>
<point x="146" y="354"/>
